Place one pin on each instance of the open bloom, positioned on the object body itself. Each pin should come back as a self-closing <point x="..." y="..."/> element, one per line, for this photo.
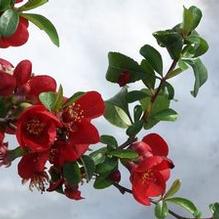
<point x="19" y="37"/>
<point x="36" y="128"/>
<point x="31" y="168"/>
<point x="150" y="173"/>
<point x="77" y="117"/>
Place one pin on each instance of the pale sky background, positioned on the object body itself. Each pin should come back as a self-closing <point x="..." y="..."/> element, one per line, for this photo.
<point x="88" y="30"/>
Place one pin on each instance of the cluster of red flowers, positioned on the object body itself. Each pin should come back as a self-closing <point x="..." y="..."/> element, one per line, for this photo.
<point x="19" y="37"/>
<point x="43" y="135"/>
<point x="151" y="171"/>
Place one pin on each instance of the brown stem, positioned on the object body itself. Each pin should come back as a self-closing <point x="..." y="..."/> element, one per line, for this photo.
<point x="128" y="142"/>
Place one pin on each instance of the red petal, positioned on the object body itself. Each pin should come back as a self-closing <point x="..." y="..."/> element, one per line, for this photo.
<point x="7" y="84"/>
<point x="157" y="143"/>
<point x="92" y="104"/>
<point x="41" y="83"/>
<point x="23" y="72"/>
<point x="73" y="193"/>
<point x="32" y="164"/>
<point x="4" y="43"/>
<point x="85" y="133"/>
<point x="142" y="148"/>
<point x="5" y="63"/>
<point x="20" y="36"/>
<point x="17" y="1"/>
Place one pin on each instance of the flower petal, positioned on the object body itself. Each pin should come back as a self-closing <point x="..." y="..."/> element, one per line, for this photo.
<point x="7" y="84"/>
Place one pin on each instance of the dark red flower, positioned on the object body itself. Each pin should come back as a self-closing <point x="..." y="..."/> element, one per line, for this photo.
<point x="18" y="38"/>
<point x="124" y="78"/>
<point x="62" y="152"/>
<point x="7" y="84"/>
<point x="72" y="192"/>
<point x="77" y="117"/>
<point x="36" y="128"/>
<point x="31" y="168"/>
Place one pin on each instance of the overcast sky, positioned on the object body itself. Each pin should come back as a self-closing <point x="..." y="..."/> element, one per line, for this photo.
<point x="88" y="30"/>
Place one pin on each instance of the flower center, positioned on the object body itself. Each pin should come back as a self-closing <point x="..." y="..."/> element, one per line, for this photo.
<point x="74" y="113"/>
<point x="148" y="176"/>
<point x="35" y="126"/>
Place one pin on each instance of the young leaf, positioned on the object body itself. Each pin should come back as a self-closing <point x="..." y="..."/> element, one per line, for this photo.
<point x="59" y="100"/>
<point x="4" y="4"/>
<point x="72" y="173"/>
<point x="118" y="63"/>
<point x="48" y="99"/>
<point x="153" y="57"/>
<point x="161" y="210"/>
<point x="98" y="156"/>
<point x="191" y="19"/>
<point x="172" y="40"/>
<point x="186" y="204"/>
<point x="45" y="25"/>
<point x="89" y="166"/>
<point x="109" y="141"/>
<point x="175" y="187"/>
<point x="8" y="22"/>
<point x="31" y="4"/>
<point x="166" y="115"/>
<point x="124" y="154"/>
<point x="200" y="72"/>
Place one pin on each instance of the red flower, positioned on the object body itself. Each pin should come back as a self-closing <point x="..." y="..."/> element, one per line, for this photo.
<point x="77" y="117"/>
<point x="36" y="128"/>
<point x="63" y="152"/>
<point x="7" y="84"/>
<point x="4" y="159"/>
<point x="32" y="168"/>
<point x="149" y="178"/>
<point x="150" y="174"/>
<point x="18" y="38"/>
<point x="124" y="78"/>
<point x="72" y="192"/>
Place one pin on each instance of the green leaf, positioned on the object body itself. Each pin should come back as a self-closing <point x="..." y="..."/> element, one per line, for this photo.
<point x="200" y="72"/>
<point x="59" y="100"/>
<point x="107" y="166"/>
<point x="73" y="98"/>
<point x="161" y="210"/>
<point x="197" y="46"/>
<point x="186" y="204"/>
<point x="137" y="112"/>
<point x="4" y="4"/>
<point x="102" y="182"/>
<point x="116" y="116"/>
<point x="149" y="77"/>
<point x="214" y="208"/>
<point x="16" y="153"/>
<point x="191" y="19"/>
<point x="135" y="96"/>
<point x="48" y="99"/>
<point x="72" y="173"/>
<point x="31" y="4"/>
<point x="170" y="90"/>
<point x="109" y="141"/>
<point x="175" y="187"/>
<point x="119" y="63"/>
<point x="153" y="57"/>
<point x="8" y="22"/>
<point x="124" y="154"/>
<point x="99" y="155"/>
<point x="182" y="67"/>
<point x="135" y="128"/>
<point x="166" y="115"/>
<point x="45" y="25"/>
<point x="172" y="40"/>
<point x="89" y="166"/>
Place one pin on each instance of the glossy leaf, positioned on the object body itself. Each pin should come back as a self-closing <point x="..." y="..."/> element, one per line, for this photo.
<point x="72" y="173"/>
<point x="124" y="154"/>
<point x="107" y="166"/>
<point x="4" y="4"/>
<point x="98" y="156"/>
<point x="48" y="99"/>
<point x="170" y="90"/>
<point x="200" y="72"/>
<point x="186" y="204"/>
<point x="89" y="166"/>
<point x="172" y="40"/>
<point x="119" y="63"/>
<point x="153" y="57"/>
<point x="109" y="140"/>
<point x="137" y="112"/>
<point x="166" y="115"/>
<point x="191" y="19"/>
<point x="31" y="4"/>
<point x="161" y="210"/>
<point x="8" y="22"/>
<point x="135" y="96"/>
<point x="175" y="187"/>
<point x="59" y="100"/>
<point x="102" y="182"/>
<point x="45" y="25"/>
<point x="214" y="208"/>
<point x="135" y="128"/>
